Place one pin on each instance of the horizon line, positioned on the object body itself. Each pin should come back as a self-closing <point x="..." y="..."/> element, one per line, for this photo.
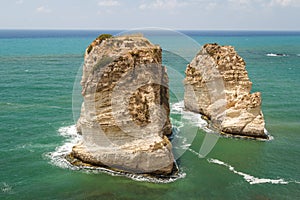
<point x="105" y="29"/>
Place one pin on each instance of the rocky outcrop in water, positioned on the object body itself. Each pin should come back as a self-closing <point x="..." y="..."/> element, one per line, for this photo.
<point x="217" y="85"/>
<point x="125" y="115"/>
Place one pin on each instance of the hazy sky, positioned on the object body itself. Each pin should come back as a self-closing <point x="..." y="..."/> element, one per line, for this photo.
<point x="174" y="14"/>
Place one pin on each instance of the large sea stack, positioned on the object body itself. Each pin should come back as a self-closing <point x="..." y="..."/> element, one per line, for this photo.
<point x="125" y="114"/>
<point x="217" y="85"/>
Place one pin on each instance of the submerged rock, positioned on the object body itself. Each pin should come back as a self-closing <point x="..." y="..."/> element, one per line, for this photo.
<point x="125" y="114"/>
<point x="217" y="85"/>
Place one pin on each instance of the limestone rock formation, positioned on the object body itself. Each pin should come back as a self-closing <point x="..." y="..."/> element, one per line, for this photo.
<point x="125" y="114"/>
<point x="217" y="85"/>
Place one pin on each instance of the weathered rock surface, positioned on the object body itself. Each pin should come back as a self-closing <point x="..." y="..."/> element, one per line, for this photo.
<point x="125" y="115"/>
<point x="217" y="85"/>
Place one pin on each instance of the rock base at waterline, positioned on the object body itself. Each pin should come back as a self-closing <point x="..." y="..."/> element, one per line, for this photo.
<point x="142" y="158"/>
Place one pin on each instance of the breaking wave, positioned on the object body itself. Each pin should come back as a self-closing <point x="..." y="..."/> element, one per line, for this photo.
<point x="6" y="188"/>
<point x="192" y="122"/>
<point x="58" y="156"/>
<point x="249" y="178"/>
<point x="185" y="129"/>
<point x="188" y="116"/>
<point x="276" y="54"/>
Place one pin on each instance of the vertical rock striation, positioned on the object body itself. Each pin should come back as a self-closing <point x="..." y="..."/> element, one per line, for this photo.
<point x="125" y="114"/>
<point x="217" y="85"/>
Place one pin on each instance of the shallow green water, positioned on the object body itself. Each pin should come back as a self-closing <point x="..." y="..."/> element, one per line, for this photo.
<point x="36" y="81"/>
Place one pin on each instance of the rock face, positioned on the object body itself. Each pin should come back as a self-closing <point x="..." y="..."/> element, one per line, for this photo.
<point x="217" y="85"/>
<point x="125" y="115"/>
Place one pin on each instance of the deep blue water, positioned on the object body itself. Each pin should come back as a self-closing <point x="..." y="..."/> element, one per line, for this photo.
<point x="37" y="73"/>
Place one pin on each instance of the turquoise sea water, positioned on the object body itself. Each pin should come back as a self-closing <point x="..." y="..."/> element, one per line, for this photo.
<point x="37" y="73"/>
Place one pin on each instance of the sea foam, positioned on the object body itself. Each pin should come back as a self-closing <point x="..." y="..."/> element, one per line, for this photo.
<point x="6" y="188"/>
<point x="58" y="158"/>
<point x="249" y="178"/>
<point x="193" y="118"/>
<point x="276" y="55"/>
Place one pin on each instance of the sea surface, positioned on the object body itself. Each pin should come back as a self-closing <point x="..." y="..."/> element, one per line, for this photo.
<point x="40" y="94"/>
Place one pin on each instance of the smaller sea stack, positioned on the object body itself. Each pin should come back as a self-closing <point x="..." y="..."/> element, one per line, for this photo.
<point x="217" y="85"/>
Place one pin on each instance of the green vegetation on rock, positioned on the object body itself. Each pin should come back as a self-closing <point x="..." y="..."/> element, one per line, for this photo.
<point x="98" y="40"/>
<point x="103" y="37"/>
